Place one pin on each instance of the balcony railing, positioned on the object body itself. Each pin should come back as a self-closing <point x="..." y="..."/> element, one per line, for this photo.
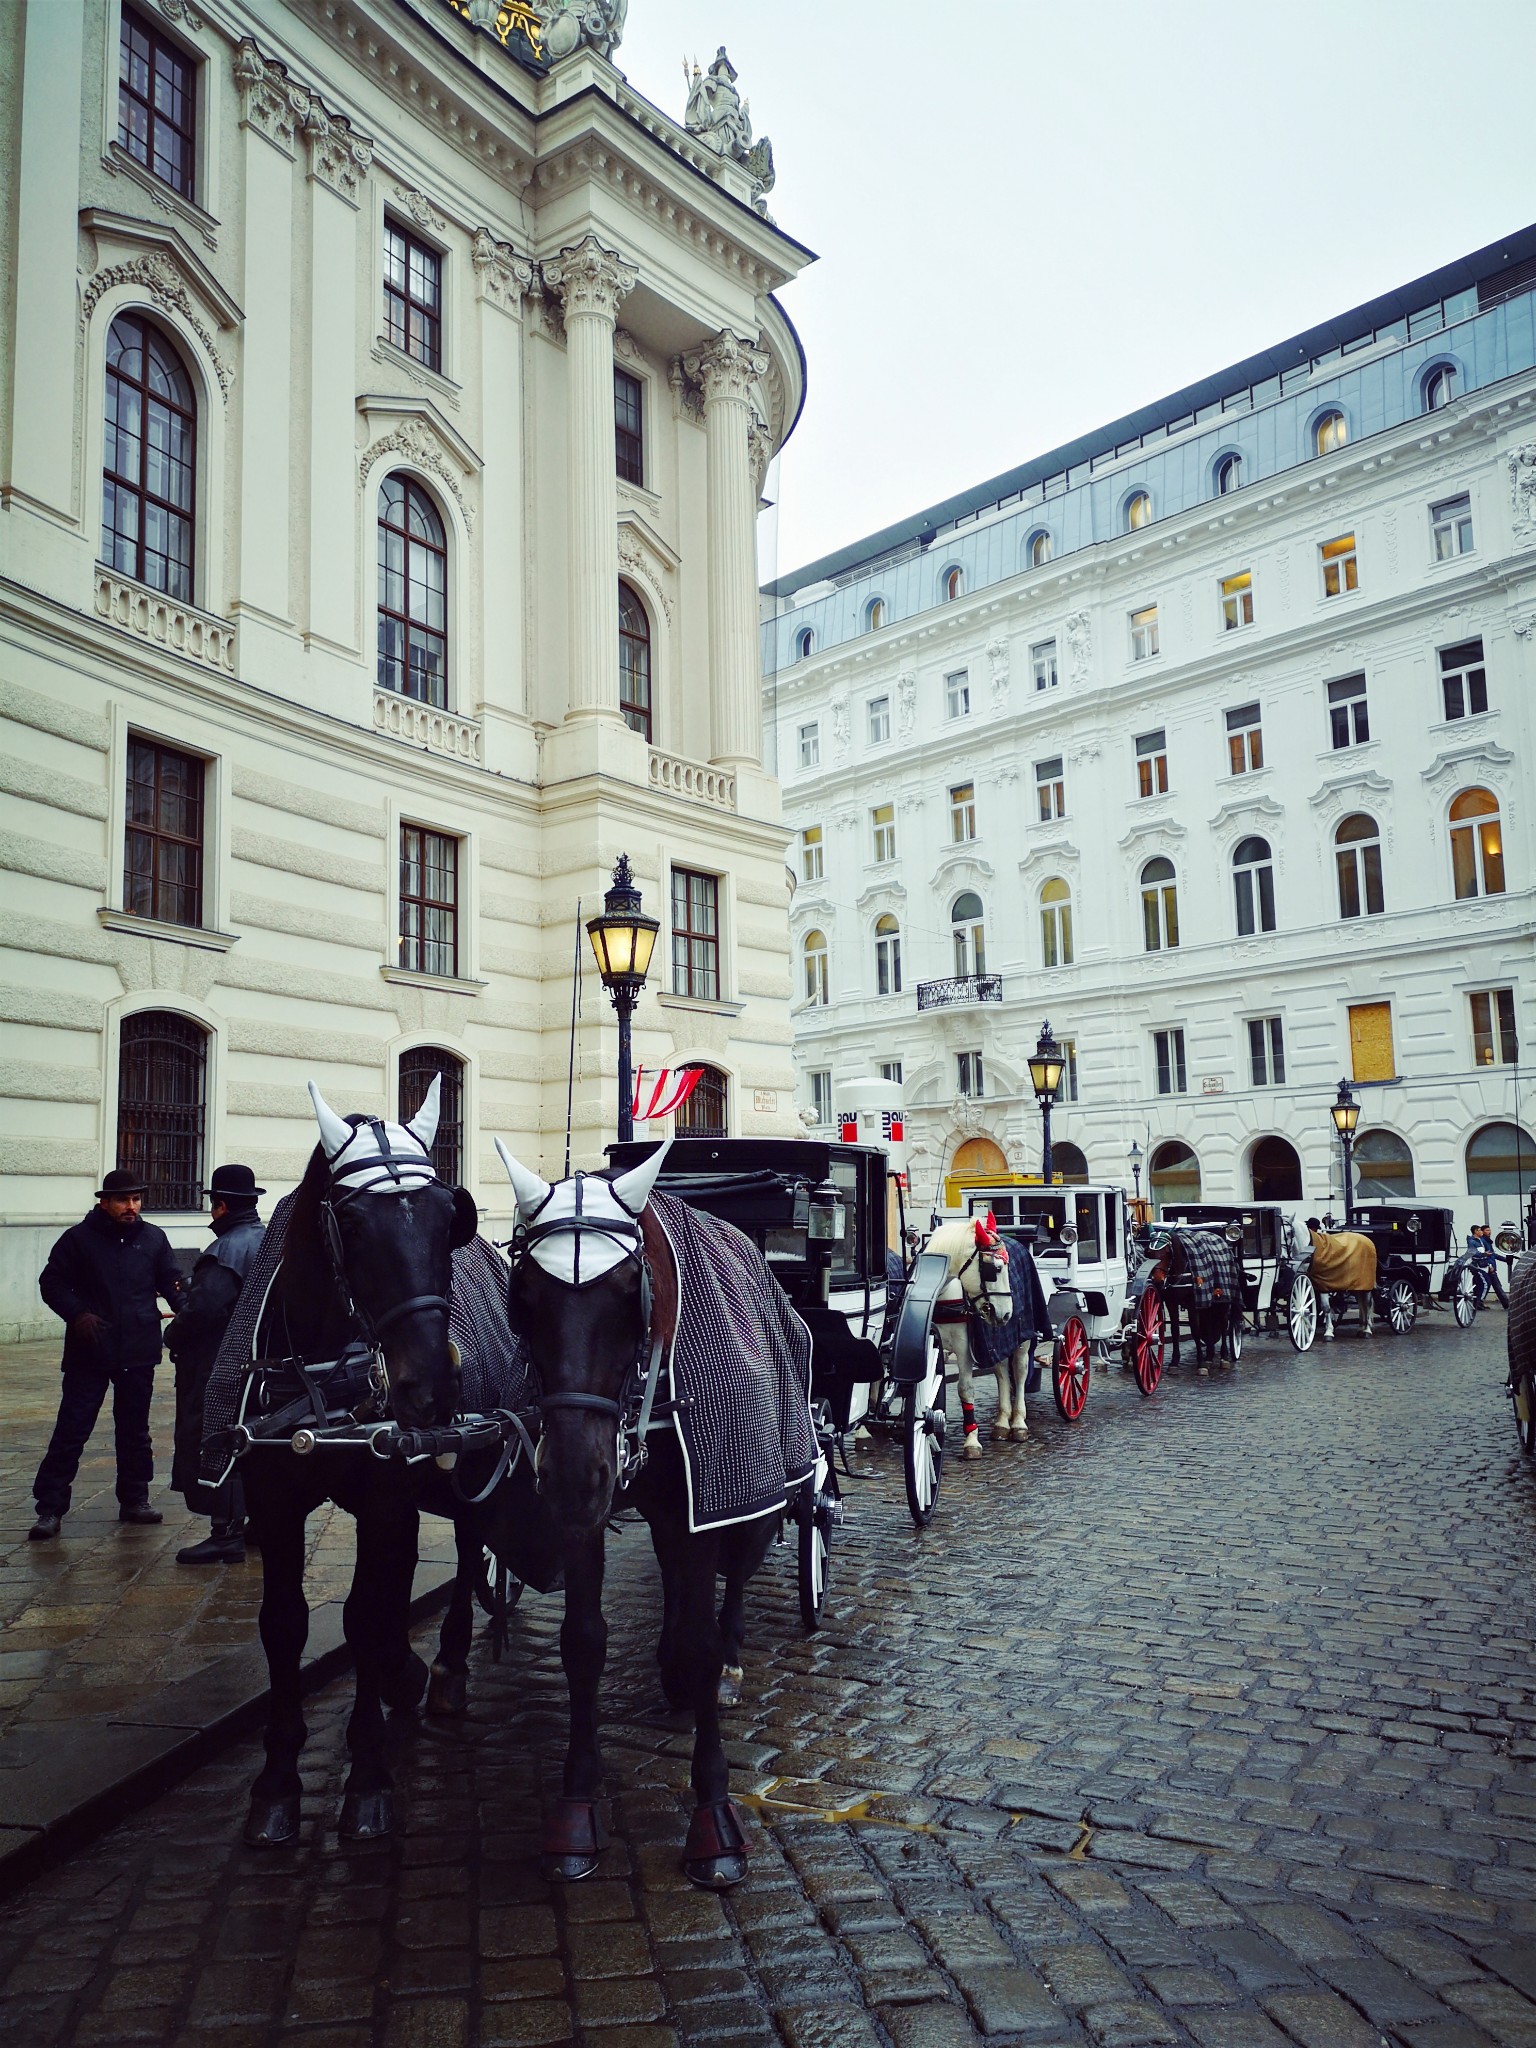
<point x="423" y="725"/>
<point x="964" y="988"/>
<point x="693" y="779"/>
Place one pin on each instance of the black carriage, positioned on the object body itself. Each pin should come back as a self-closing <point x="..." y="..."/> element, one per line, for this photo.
<point x="1419" y="1260"/>
<point x="1278" y="1290"/>
<point x="1164" y="1286"/>
<point x="1080" y="1238"/>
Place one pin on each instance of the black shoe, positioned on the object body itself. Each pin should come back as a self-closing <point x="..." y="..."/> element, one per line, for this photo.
<point x="222" y="1546"/>
<point x="139" y="1511"/>
<point x="45" y="1528"/>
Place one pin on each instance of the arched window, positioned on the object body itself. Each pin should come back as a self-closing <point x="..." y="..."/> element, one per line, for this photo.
<point x="1069" y="1163"/>
<point x="149" y="460"/>
<point x="1056" y="923"/>
<point x="162" y="1087"/>
<point x="1330" y="433"/>
<point x="1276" y="1171"/>
<point x="1138" y="511"/>
<point x="1477" y="844"/>
<point x="634" y="662"/>
<point x="1159" y="905"/>
<point x="413" y="593"/>
<point x="1357" y="854"/>
<point x="1439" y="386"/>
<point x="706" y="1112"/>
<point x="874" y="614"/>
<point x="1383" y="1166"/>
<point x="1173" y="1175"/>
<point x="1041" y="549"/>
<point x="1229" y="475"/>
<point x="1501" y="1160"/>
<point x="813" y="951"/>
<point x="1253" y="877"/>
<point x="805" y="643"/>
<point x="887" y="956"/>
<point x="953" y="584"/>
<point x="417" y="1068"/>
<point x="969" y="935"/>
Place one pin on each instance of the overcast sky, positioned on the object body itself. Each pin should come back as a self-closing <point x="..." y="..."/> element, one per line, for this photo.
<point x="1031" y="218"/>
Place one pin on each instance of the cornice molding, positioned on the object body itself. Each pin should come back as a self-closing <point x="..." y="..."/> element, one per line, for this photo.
<point x="1455" y="762"/>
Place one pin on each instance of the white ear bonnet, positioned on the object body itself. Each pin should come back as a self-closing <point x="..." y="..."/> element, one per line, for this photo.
<point x="581" y="1256"/>
<point x="355" y="1154"/>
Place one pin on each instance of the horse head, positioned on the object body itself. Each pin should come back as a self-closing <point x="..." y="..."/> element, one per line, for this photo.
<point x="389" y="1227"/>
<point x="978" y="1266"/>
<point x="580" y="1301"/>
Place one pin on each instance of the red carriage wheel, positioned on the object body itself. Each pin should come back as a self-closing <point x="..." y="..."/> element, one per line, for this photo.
<point x="1069" y="1369"/>
<point x="1147" y="1343"/>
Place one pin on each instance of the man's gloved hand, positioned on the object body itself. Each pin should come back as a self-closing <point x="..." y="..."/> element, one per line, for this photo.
<point x="90" y="1326"/>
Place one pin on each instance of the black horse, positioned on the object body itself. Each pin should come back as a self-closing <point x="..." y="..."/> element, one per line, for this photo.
<point x="1205" y="1277"/>
<point x="594" y="1299"/>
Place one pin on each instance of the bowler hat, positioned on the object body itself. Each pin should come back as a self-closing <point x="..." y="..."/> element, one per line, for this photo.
<point x="122" y="1180"/>
<point x="234" y="1184"/>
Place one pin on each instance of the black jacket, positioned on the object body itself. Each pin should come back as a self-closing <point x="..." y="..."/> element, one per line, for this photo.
<point x="193" y="1338"/>
<point x="115" y="1271"/>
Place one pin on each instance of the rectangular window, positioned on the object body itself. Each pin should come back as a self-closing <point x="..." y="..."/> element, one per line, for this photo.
<point x="821" y="1095"/>
<point x="1493" y="1027"/>
<point x="890" y="1070"/>
<point x="1152" y="763"/>
<point x="413" y="296"/>
<point x="1042" y="659"/>
<point x="156" y="103"/>
<point x="810" y="745"/>
<point x="879" y="720"/>
<point x="1168" y="1050"/>
<point x="628" y="427"/>
<point x="811" y="854"/>
<point x="968" y="1073"/>
<point x="1450" y="526"/>
<point x="962" y="812"/>
<point x="1348" y="718"/>
<point x="163" y="845"/>
<point x="696" y="935"/>
<point x="1341" y="571"/>
<point x="1370" y="1042"/>
<point x="957" y="694"/>
<point x="1464" y="679"/>
<point x="1237" y="600"/>
<point x="1144" y="633"/>
<point x="1245" y="739"/>
<point x="429" y="901"/>
<point x="883" y="818"/>
<point x="1067" y="1092"/>
<point x="1050" y="789"/>
<point x="1266" y="1052"/>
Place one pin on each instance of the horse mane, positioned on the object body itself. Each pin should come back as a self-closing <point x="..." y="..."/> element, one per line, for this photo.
<point x="956" y="1240"/>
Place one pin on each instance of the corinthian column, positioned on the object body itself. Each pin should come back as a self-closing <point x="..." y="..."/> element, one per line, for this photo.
<point x="728" y="368"/>
<point x="592" y="283"/>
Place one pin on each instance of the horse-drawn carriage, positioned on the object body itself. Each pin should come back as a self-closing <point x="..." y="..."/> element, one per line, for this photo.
<point x="1276" y="1255"/>
<point x="1418" y="1260"/>
<point x="1080" y="1238"/>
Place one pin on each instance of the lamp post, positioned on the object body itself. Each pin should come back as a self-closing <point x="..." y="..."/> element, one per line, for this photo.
<point x="1134" y="1156"/>
<point x="1045" y="1069"/>
<point x="1345" y="1112"/>
<point x="622" y="940"/>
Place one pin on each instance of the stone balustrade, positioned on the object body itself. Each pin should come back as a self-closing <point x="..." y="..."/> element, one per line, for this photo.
<point x="165" y="622"/>
<point x="693" y="779"/>
<point x="423" y="725"/>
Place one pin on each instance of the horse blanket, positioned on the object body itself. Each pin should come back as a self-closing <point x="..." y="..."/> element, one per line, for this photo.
<point x="1213" y="1267"/>
<point x="1343" y="1262"/>
<point x="993" y="1344"/>
<point x="1521" y="1334"/>
<point x="740" y="1369"/>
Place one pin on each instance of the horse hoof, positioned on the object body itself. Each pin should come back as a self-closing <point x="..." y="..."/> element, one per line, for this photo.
<point x="574" y="1839"/>
<point x="715" y="1853"/>
<point x="716" y="1873"/>
<point x="366" y="1816"/>
<point x="728" y="1692"/>
<point x="272" y="1823"/>
<point x="447" y="1693"/>
<point x="402" y="1691"/>
<point x="970" y="1450"/>
<point x="1001" y="1433"/>
<point x="568" y="1869"/>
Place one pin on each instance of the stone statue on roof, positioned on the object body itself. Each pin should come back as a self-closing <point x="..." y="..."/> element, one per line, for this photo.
<point x="722" y="120"/>
<point x="571" y="23"/>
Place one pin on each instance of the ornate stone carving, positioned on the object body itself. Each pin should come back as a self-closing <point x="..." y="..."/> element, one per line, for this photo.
<point x="590" y="279"/>
<point x="840" y="729"/>
<point x="158" y="275"/>
<point x="1361" y="789"/>
<point x="421" y="210"/>
<point x="501" y="276"/>
<point x="338" y="156"/>
<point x="178" y="10"/>
<point x="906" y="702"/>
<point x="722" y="121"/>
<point x="1522" y="490"/>
<point x="504" y="19"/>
<point x="1523" y="628"/>
<point x="270" y="101"/>
<point x="727" y="367"/>
<point x="1456" y="764"/>
<point x="687" y="394"/>
<point x="759" y="452"/>
<point x="999" y="670"/>
<point x="1079" y="636"/>
<point x="1389" y="537"/>
<point x="627" y="348"/>
<point x="639" y="561"/>
<point x="414" y="439"/>
<point x="571" y="24"/>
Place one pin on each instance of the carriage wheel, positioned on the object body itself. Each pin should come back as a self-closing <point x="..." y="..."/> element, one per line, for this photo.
<point x="1301" y="1313"/>
<point x="1402" y="1307"/>
<point x="1464" y="1300"/>
<point x="1148" y="1340"/>
<point x="1523" y="1401"/>
<point x="1070" y="1369"/>
<point x="497" y="1589"/>
<point x="815" y="1545"/>
<point x="1235" y="1336"/>
<point x="922" y="1442"/>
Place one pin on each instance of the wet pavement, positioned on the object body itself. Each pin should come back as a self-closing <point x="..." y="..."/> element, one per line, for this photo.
<point x="1209" y="1720"/>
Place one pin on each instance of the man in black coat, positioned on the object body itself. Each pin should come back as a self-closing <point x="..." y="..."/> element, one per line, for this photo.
<point x="193" y="1340"/>
<point x="103" y="1278"/>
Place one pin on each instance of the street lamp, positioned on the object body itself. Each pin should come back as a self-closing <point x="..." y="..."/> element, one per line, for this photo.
<point x="1345" y="1112"/>
<point x="1045" y="1070"/>
<point x="1134" y="1156"/>
<point x="622" y="939"/>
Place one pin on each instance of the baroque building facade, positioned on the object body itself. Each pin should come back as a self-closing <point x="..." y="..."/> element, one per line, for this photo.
<point x="385" y="398"/>
<point x="1207" y="739"/>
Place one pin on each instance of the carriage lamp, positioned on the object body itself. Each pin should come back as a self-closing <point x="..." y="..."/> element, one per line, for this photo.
<point x="1345" y="1112"/>
<point x="623" y="939"/>
<point x="1046" y="1065"/>
<point x="827" y="1218"/>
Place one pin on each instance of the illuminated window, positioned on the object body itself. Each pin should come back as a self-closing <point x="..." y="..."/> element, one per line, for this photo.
<point x="1330" y="433"/>
<point x="887" y="956"/>
<point x="1245" y="739"/>
<point x="1138" y="511"/>
<point x="1370" y="1042"/>
<point x="1152" y="763"/>
<point x="1237" y="600"/>
<point x="811" y="850"/>
<point x="1159" y="906"/>
<point x="1357" y="858"/>
<point x="1493" y="1027"/>
<point x="962" y="812"/>
<point x="1056" y="923"/>
<point x="1477" y="844"/>
<point x="954" y="585"/>
<point x="874" y="614"/>
<point x="883" y="818"/>
<point x="1144" y="641"/>
<point x="1341" y="570"/>
<point x="813" y="954"/>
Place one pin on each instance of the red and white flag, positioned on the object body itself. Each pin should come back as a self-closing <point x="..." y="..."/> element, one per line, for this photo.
<point x="668" y="1090"/>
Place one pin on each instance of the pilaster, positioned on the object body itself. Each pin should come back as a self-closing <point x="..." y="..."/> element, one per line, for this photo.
<point x="503" y="279"/>
<point x="729" y="369"/>
<point x="338" y="160"/>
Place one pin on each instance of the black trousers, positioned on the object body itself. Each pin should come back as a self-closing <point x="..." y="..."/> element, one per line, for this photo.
<point x="133" y="1389"/>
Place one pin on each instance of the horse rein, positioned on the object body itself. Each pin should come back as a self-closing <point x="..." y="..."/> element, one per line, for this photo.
<point x="339" y="1194"/>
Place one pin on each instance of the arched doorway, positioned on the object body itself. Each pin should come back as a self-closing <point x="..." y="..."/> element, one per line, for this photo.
<point x="417" y="1069"/>
<point x="1070" y="1162"/>
<point x="1501" y="1160"/>
<point x="706" y="1113"/>
<point x="1276" y="1171"/>
<point x="1383" y="1167"/>
<point x="978" y="1157"/>
<point x="1173" y="1175"/>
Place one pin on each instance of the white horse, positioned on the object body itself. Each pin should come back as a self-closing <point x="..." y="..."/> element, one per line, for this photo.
<point x="978" y="1281"/>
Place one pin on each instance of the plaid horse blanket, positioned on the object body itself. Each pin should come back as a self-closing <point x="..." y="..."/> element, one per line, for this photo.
<point x="993" y="1343"/>
<point x="1212" y="1266"/>
<point x="1521" y="1334"/>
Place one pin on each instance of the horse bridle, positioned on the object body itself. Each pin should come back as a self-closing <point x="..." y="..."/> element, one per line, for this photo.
<point x="333" y="1201"/>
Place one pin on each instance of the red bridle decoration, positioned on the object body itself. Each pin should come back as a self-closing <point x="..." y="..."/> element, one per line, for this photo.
<point x="987" y="1239"/>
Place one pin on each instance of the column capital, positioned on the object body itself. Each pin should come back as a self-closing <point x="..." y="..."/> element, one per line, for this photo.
<point x="501" y="275"/>
<point x="590" y="279"/>
<point x="727" y="367"/>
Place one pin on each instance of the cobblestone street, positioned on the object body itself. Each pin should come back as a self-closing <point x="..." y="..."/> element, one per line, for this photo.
<point x="1208" y="1720"/>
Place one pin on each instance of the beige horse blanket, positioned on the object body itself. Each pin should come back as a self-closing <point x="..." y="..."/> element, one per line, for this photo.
<point x="1343" y="1262"/>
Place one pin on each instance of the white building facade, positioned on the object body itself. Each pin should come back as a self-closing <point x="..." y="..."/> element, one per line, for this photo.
<point x="382" y="428"/>
<point x="1208" y="740"/>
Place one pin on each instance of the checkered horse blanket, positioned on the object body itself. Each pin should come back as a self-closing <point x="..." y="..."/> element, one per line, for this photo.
<point x="1213" y="1268"/>
<point x="1521" y="1334"/>
<point x="994" y="1343"/>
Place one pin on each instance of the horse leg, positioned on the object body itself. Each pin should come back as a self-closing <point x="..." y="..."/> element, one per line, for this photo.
<point x="1018" y="1373"/>
<point x="448" y="1691"/>
<point x="274" y="1816"/>
<point x="739" y="1567"/>
<point x="956" y="1340"/>
<point x="1367" y="1301"/>
<point x="669" y="1655"/>
<point x="1173" y="1329"/>
<point x="715" y="1853"/>
<point x="574" y="1837"/>
<point x="374" y="1620"/>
